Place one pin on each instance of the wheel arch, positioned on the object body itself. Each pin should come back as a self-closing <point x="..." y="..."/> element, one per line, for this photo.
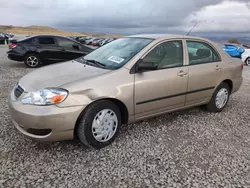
<point x="123" y="109"/>
<point x="31" y="52"/>
<point x="229" y="83"/>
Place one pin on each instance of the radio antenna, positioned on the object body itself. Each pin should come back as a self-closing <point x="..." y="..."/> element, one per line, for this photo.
<point x="192" y="28"/>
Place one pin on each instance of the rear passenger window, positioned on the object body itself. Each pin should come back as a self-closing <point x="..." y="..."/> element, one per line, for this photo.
<point x="200" y="53"/>
<point x="46" y="40"/>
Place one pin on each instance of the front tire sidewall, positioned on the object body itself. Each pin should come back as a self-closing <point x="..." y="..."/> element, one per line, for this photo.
<point x="34" y="55"/>
<point x="84" y="128"/>
<point x="247" y="61"/>
<point x="211" y="106"/>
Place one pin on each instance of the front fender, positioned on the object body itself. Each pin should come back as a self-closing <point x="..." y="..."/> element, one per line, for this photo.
<point x="81" y="98"/>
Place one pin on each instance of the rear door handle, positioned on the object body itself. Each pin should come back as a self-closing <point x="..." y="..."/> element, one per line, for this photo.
<point x="218" y="69"/>
<point x="182" y="73"/>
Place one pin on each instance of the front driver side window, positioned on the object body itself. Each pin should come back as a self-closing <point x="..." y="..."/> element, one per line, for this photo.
<point x="166" y="55"/>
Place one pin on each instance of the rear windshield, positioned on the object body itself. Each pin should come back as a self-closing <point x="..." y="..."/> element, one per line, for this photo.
<point x="25" y="40"/>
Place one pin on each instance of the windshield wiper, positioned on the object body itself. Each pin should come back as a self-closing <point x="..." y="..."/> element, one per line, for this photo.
<point x="99" y="64"/>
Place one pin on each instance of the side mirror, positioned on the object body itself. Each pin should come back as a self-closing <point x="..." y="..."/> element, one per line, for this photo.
<point x="75" y="46"/>
<point x="145" y="66"/>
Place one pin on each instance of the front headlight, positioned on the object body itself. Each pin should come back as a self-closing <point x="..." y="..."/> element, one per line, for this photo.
<point x="45" y="96"/>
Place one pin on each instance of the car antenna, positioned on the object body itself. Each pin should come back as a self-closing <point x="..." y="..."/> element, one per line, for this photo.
<point x="192" y="28"/>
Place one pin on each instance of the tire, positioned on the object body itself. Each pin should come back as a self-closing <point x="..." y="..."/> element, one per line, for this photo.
<point x="212" y="106"/>
<point x="98" y="112"/>
<point x="247" y="61"/>
<point x="32" y="61"/>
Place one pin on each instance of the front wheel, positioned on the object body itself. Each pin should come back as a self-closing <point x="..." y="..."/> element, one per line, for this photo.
<point x="247" y="61"/>
<point x="32" y="61"/>
<point x="219" y="99"/>
<point x="99" y="124"/>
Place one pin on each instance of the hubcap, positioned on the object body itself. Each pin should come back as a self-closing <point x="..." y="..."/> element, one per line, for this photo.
<point x="221" y="98"/>
<point x="104" y="125"/>
<point x="32" y="61"/>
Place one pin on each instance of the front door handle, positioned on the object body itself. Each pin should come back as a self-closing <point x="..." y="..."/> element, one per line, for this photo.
<point x="182" y="73"/>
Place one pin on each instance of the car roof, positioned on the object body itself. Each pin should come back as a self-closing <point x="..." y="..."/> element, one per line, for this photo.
<point x="165" y="36"/>
<point x="44" y="35"/>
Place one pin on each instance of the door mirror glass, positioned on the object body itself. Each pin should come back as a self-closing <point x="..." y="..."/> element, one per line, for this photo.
<point x="144" y="66"/>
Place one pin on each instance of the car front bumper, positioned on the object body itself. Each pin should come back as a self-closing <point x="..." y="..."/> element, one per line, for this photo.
<point x="44" y="123"/>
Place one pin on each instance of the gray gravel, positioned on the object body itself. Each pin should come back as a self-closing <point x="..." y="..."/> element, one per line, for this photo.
<point x="192" y="148"/>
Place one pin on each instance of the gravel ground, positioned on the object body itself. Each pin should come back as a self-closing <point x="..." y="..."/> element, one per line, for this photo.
<point x="192" y="148"/>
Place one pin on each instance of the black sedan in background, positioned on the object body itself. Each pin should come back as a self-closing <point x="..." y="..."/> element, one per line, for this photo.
<point x="3" y="37"/>
<point x="40" y="50"/>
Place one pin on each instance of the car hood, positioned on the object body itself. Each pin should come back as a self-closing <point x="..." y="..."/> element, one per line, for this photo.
<point x="59" y="75"/>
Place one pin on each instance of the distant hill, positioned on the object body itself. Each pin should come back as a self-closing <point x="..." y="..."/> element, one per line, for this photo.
<point x="242" y="40"/>
<point x="37" y="30"/>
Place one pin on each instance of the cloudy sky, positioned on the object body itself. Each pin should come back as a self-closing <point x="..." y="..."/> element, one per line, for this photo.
<point x="129" y="16"/>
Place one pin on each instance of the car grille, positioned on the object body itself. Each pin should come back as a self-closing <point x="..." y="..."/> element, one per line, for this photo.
<point x="18" y="91"/>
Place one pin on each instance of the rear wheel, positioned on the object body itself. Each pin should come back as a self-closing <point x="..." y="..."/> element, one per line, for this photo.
<point x="32" y="61"/>
<point x="247" y="61"/>
<point x="99" y="124"/>
<point x="220" y="98"/>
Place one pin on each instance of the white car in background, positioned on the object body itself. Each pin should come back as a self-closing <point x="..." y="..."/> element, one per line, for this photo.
<point x="245" y="57"/>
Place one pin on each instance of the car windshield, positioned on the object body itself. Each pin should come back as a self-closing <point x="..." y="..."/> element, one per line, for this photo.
<point x="117" y="53"/>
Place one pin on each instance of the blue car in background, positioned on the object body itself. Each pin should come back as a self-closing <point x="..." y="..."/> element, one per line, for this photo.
<point x="234" y="50"/>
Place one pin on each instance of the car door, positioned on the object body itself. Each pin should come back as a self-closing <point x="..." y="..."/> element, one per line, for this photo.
<point x="163" y="89"/>
<point x="205" y="71"/>
<point x="71" y="49"/>
<point x="47" y="48"/>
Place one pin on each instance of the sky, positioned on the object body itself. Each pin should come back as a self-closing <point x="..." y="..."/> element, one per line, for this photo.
<point x="130" y="16"/>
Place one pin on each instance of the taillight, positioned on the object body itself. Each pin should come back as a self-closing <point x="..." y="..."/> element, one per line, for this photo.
<point x="12" y="45"/>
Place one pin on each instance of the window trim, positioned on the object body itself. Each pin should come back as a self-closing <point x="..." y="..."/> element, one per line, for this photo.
<point x="205" y="42"/>
<point x="134" y="69"/>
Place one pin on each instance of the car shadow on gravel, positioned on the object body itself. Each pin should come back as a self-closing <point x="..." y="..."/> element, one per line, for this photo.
<point x="167" y="119"/>
<point x="75" y="144"/>
<point x="17" y="65"/>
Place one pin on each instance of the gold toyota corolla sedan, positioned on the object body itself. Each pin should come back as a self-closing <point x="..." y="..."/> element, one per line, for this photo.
<point x="127" y="80"/>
